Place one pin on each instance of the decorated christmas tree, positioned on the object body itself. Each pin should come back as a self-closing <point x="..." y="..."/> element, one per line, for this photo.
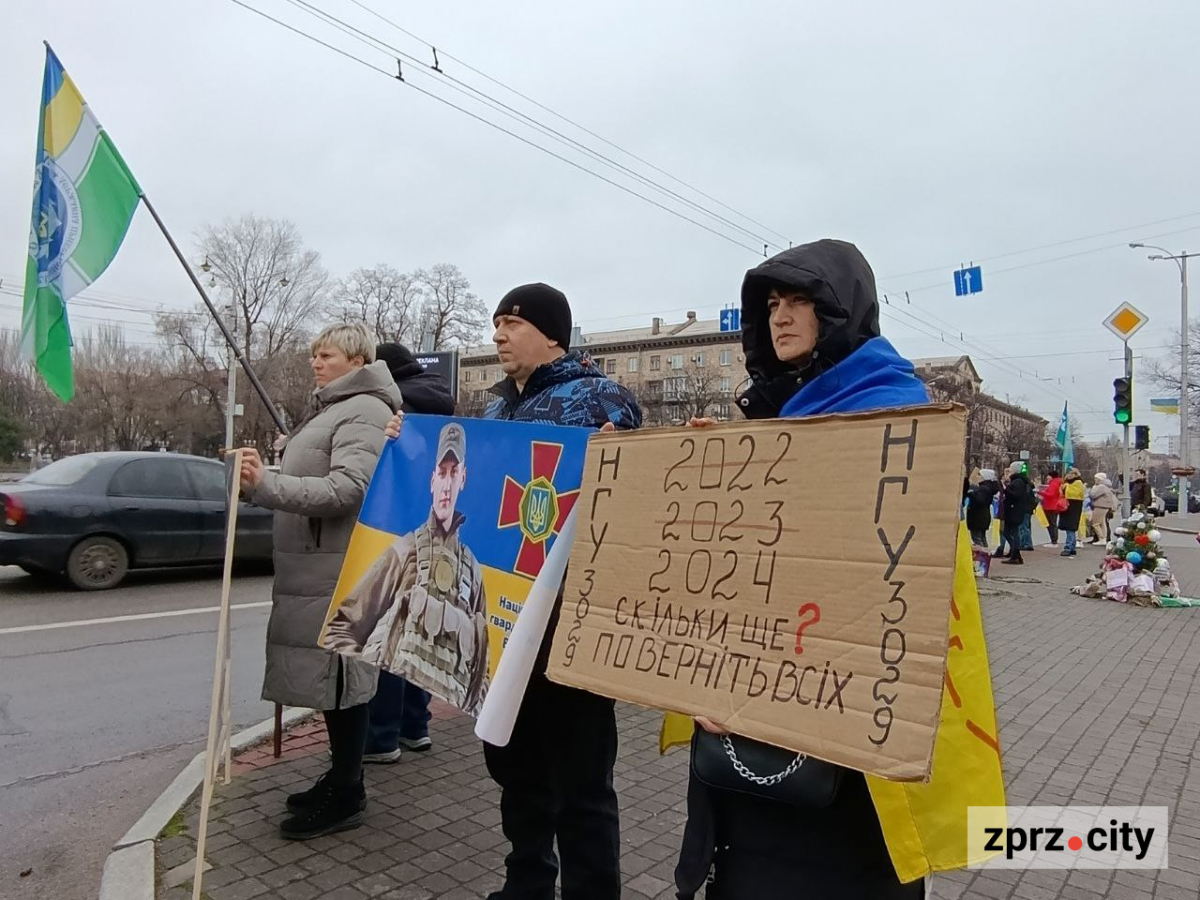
<point x="1135" y="541"/>
<point x="1135" y="568"/>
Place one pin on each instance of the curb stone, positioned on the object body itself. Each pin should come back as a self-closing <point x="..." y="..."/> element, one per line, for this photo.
<point x="1186" y="531"/>
<point x="129" y="870"/>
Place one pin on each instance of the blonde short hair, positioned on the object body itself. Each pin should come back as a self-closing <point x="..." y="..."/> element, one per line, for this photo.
<point x="352" y="339"/>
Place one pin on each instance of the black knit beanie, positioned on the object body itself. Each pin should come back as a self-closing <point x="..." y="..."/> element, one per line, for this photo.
<point x="543" y="307"/>
<point x="399" y="359"/>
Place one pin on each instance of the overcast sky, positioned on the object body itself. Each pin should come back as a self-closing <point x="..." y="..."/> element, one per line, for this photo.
<point x="929" y="133"/>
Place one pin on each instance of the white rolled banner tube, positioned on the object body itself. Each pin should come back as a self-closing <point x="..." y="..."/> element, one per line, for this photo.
<point x="503" y="701"/>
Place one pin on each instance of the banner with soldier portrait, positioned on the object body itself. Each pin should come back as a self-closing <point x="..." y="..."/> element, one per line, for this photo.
<point x="456" y="525"/>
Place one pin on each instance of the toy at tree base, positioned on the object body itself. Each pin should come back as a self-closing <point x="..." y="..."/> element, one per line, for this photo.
<point x="1135" y="568"/>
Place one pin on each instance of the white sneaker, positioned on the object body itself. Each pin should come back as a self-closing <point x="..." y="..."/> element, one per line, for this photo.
<point x="386" y="758"/>
<point x="417" y="745"/>
<point x="1049" y="546"/>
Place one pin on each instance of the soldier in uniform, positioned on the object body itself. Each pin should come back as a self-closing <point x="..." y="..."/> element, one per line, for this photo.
<point x="420" y="610"/>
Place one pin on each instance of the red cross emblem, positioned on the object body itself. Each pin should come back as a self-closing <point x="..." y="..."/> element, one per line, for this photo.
<point x="536" y="507"/>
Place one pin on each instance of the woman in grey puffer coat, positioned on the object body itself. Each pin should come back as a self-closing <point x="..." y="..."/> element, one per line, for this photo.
<point x="327" y="464"/>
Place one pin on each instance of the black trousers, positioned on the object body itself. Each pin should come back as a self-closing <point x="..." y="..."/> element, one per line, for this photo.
<point x="347" y="729"/>
<point x="1012" y="534"/>
<point x="556" y="782"/>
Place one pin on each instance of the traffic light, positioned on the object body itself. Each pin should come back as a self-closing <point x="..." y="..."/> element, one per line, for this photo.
<point x="1141" y="438"/>
<point x="1122" y="400"/>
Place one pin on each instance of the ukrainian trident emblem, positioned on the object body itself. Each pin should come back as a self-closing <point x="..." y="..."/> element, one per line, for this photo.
<point x="536" y="507"/>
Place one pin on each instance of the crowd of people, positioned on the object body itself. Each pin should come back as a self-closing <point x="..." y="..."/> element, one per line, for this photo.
<point x="810" y="330"/>
<point x="1068" y="504"/>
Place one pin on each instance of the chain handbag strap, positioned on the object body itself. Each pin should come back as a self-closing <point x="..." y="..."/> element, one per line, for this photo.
<point x="761" y="780"/>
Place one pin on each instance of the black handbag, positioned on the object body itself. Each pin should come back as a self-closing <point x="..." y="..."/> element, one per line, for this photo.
<point x="745" y="766"/>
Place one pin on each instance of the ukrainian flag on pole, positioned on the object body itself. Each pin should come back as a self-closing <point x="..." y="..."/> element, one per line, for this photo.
<point x="84" y="197"/>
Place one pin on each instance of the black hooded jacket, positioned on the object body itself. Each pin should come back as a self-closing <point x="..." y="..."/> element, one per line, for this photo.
<point x="836" y="277"/>
<point x="420" y="391"/>
<point x="1018" y="501"/>
<point x="979" y="505"/>
<point x="424" y="392"/>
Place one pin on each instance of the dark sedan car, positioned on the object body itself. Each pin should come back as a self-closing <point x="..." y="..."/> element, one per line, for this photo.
<point x="1171" y="502"/>
<point x="97" y="515"/>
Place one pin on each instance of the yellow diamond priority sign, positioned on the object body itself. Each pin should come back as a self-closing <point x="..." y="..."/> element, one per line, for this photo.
<point x="1125" y="321"/>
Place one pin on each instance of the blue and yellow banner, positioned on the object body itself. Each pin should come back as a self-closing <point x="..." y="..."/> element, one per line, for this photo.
<point x="456" y="525"/>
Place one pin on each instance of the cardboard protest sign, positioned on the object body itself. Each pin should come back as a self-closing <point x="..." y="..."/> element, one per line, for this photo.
<point x="456" y="525"/>
<point x="790" y="579"/>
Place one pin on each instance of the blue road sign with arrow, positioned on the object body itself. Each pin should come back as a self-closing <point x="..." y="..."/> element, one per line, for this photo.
<point x="968" y="281"/>
<point x="731" y="319"/>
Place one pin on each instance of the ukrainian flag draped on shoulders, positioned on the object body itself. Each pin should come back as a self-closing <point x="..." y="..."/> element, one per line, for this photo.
<point x="924" y="825"/>
<point x="84" y="197"/>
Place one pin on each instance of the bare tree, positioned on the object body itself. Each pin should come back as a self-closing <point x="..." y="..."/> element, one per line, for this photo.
<point x="693" y="390"/>
<point x="386" y="301"/>
<point x="473" y="403"/>
<point x="1086" y="460"/>
<point x="196" y="350"/>
<point x="450" y="314"/>
<point x="948" y="387"/>
<point x="18" y="381"/>
<point x="1019" y="435"/>
<point x="1110" y="454"/>
<point x="273" y="288"/>
<point x="118" y="391"/>
<point x="274" y="285"/>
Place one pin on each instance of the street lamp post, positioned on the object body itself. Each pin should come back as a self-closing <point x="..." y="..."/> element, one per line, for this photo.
<point x="231" y="358"/>
<point x="1180" y="259"/>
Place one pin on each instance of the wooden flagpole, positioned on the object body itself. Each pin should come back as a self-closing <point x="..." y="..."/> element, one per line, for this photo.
<point x="220" y="688"/>
<point x="227" y="713"/>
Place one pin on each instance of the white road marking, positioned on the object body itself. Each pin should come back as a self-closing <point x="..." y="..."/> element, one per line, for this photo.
<point x="132" y="618"/>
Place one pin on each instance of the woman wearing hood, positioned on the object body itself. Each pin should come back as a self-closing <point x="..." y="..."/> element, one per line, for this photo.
<point x="1104" y="501"/>
<point x="810" y="330"/>
<point x="979" y="507"/>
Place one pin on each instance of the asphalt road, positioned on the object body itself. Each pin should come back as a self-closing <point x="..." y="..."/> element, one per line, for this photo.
<point x="97" y="718"/>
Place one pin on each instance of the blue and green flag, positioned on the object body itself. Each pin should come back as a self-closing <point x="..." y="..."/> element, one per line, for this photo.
<point x="1066" y="449"/>
<point x="84" y="197"/>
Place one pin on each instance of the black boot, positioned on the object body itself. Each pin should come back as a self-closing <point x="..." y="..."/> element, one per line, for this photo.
<point x="305" y="800"/>
<point x="334" y="808"/>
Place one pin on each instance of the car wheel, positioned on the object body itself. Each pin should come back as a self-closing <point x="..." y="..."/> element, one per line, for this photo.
<point x="97" y="564"/>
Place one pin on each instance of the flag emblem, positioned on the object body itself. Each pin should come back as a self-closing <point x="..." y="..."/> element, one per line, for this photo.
<point x="56" y="221"/>
<point x="536" y="507"/>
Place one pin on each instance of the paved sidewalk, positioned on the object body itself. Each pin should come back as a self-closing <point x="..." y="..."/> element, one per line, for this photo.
<point x="1098" y="703"/>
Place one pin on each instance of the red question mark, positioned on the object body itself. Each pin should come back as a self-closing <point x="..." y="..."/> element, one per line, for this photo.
<point x="806" y="608"/>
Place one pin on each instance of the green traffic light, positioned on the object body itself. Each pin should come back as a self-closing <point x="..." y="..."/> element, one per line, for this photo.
<point x="1122" y="417"/>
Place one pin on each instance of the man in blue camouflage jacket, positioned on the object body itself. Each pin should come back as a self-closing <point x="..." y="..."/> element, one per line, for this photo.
<point x="556" y="774"/>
